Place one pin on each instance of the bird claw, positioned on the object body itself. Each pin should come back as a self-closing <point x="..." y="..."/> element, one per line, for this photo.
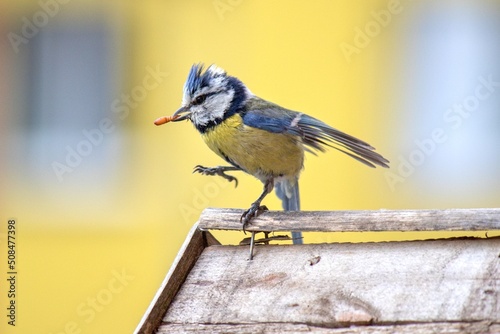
<point x="211" y="171"/>
<point x="254" y="211"/>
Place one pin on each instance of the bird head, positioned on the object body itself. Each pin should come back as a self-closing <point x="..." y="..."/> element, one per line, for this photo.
<point x="210" y="96"/>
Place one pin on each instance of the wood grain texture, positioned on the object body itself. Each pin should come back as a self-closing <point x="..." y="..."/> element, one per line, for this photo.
<point x="356" y="221"/>
<point x="194" y="244"/>
<point x="442" y="328"/>
<point x="341" y="285"/>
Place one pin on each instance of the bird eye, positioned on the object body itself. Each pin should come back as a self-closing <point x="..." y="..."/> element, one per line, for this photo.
<point x="199" y="99"/>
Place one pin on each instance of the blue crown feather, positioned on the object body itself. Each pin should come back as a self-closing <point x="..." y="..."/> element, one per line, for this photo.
<point x="198" y="79"/>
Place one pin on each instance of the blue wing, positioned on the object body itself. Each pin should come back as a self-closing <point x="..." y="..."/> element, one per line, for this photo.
<point x="271" y="120"/>
<point x="314" y="133"/>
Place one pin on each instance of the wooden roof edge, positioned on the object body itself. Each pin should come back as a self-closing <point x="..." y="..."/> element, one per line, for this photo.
<point x="196" y="241"/>
<point x="486" y="219"/>
<point x="199" y="238"/>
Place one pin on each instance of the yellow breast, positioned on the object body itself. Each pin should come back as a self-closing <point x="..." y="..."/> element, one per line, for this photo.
<point x="258" y="152"/>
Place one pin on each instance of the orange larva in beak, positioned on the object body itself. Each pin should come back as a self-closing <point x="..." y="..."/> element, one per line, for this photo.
<point x="166" y="119"/>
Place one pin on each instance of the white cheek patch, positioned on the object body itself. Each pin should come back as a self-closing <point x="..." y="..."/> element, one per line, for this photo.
<point x="217" y="104"/>
<point x="213" y="109"/>
<point x="198" y="115"/>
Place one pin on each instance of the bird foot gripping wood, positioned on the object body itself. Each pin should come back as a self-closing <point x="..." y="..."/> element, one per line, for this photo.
<point x="255" y="210"/>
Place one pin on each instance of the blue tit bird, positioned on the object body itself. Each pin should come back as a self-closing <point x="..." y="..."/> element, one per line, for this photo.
<point x="259" y="137"/>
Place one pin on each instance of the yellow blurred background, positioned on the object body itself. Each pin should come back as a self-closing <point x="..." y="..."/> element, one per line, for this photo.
<point x="102" y="199"/>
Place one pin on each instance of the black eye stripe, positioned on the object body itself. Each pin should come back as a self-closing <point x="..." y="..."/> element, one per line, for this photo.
<point x="201" y="98"/>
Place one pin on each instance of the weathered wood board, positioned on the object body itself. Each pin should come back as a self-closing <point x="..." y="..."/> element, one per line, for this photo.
<point x="441" y="328"/>
<point x="442" y="286"/>
<point x="356" y="221"/>
<point x="439" y="286"/>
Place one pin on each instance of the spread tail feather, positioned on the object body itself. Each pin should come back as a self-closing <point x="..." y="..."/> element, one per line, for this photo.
<point x="288" y="192"/>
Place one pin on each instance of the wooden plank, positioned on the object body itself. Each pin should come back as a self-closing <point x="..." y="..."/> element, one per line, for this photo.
<point x="442" y="328"/>
<point x="190" y="251"/>
<point x="356" y="221"/>
<point x="340" y="285"/>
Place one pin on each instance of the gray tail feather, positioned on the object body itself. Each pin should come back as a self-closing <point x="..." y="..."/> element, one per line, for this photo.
<point x="288" y="192"/>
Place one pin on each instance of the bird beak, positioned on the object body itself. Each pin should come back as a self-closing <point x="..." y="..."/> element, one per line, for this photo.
<point x="178" y="114"/>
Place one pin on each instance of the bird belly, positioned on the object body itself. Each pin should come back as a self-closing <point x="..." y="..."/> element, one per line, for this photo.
<point x="258" y="152"/>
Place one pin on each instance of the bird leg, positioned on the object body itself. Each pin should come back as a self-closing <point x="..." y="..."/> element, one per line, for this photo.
<point x="219" y="170"/>
<point x="256" y="209"/>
